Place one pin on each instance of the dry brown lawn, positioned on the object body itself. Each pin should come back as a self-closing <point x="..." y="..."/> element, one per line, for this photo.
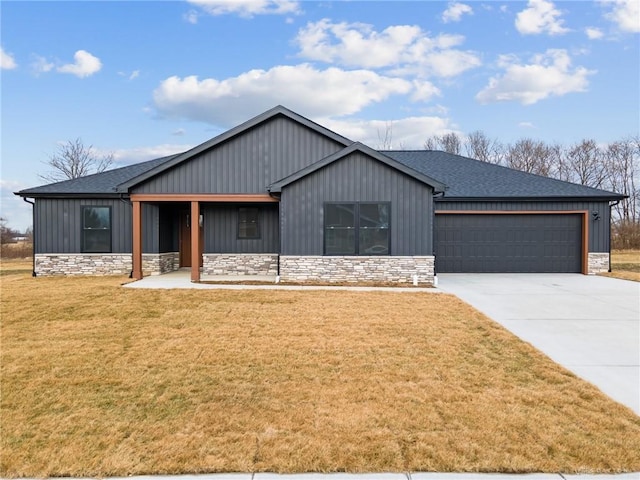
<point x="99" y="380"/>
<point x="625" y="264"/>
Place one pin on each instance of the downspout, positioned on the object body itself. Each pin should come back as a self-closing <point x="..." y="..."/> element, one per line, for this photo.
<point x="33" y="232"/>
<point x="610" y="206"/>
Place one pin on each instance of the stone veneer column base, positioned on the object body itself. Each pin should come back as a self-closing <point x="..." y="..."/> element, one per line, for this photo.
<point x="159" y="263"/>
<point x="597" y="263"/>
<point x="239" y="264"/>
<point x="357" y="269"/>
<point x="48" y="264"/>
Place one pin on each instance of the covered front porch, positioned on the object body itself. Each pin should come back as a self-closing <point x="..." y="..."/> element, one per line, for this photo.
<point x="205" y="231"/>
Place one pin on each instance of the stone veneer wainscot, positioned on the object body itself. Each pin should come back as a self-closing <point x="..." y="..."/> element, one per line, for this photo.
<point x="239" y="263"/>
<point x="597" y="263"/>
<point x="350" y="269"/>
<point x="48" y="264"/>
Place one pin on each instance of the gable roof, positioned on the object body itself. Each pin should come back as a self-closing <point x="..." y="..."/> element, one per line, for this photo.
<point x="276" y="187"/>
<point x="249" y="124"/>
<point x="473" y="179"/>
<point x="95" y="184"/>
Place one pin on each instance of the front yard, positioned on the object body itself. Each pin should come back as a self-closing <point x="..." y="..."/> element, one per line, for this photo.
<point x="98" y="380"/>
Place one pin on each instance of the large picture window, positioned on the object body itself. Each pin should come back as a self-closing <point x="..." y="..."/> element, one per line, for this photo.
<point x="96" y="229"/>
<point x="357" y="228"/>
<point x="248" y="222"/>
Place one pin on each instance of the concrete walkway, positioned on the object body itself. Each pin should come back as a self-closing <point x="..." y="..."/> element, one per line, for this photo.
<point x="182" y="279"/>
<point x="588" y="324"/>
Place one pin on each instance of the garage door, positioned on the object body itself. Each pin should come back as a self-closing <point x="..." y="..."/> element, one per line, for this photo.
<point x="508" y="243"/>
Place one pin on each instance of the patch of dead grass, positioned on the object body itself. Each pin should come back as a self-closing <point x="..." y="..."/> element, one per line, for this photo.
<point x="625" y="264"/>
<point x="98" y="380"/>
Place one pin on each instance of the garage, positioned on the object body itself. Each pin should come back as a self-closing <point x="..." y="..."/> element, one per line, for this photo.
<point x="509" y="242"/>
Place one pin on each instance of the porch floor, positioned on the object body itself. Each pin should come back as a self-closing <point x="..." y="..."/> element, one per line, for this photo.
<point x="182" y="279"/>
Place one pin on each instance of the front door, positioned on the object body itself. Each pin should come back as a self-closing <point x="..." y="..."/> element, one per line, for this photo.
<point x="185" y="240"/>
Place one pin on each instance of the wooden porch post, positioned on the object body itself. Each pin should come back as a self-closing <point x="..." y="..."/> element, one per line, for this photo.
<point x="195" y="241"/>
<point x="137" y="240"/>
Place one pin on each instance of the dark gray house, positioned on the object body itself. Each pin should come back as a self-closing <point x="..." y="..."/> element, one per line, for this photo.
<point x="282" y="195"/>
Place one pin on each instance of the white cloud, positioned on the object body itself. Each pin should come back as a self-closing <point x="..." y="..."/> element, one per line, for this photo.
<point x="130" y="76"/>
<point x="625" y="14"/>
<point x="455" y="11"/>
<point x="7" y="61"/>
<point x="247" y="8"/>
<point x="191" y="17"/>
<point x="593" y="33"/>
<point x="424" y="91"/>
<point x="541" y="16"/>
<point x="85" y="65"/>
<point x="406" y="48"/>
<point x="128" y="156"/>
<point x="41" y="65"/>
<point x="312" y="92"/>
<point x="179" y="132"/>
<point x="404" y="133"/>
<point x="548" y="74"/>
<point x="526" y="125"/>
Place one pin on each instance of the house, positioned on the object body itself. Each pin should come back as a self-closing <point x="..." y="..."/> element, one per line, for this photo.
<point x="282" y="195"/>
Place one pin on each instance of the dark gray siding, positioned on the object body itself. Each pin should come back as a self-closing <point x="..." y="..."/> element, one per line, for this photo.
<point x="150" y="233"/>
<point x="58" y="224"/>
<point x="356" y="178"/>
<point x="221" y="230"/>
<point x="247" y="163"/>
<point x="598" y="229"/>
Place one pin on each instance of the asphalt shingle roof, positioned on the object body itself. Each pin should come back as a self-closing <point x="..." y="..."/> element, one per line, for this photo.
<point x="98" y="183"/>
<point x="464" y="178"/>
<point x="469" y="178"/>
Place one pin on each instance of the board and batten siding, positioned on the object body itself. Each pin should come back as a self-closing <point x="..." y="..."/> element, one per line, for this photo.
<point x="356" y="178"/>
<point x="247" y="163"/>
<point x="598" y="229"/>
<point x="221" y="230"/>
<point x="59" y="224"/>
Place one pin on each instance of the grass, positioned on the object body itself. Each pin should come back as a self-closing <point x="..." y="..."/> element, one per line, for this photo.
<point x="625" y="264"/>
<point x="98" y="380"/>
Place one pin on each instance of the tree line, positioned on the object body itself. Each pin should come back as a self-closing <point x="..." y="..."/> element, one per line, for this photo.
<point x="614" y="166"/>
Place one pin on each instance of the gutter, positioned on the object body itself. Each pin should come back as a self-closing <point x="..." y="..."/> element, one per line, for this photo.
<point x="33" y="230"/>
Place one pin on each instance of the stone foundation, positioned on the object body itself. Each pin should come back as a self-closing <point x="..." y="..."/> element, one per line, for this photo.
<point x="376" y="269"/>
<point x="239" y="264"/>
<point x="597" y="263"/>
<point x="48" y="264"/>
<point x="159" y="263"/>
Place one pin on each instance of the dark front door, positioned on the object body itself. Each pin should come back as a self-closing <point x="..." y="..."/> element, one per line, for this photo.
<point x="185" y="240"/>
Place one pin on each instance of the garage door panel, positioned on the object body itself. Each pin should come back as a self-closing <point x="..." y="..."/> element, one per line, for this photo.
<point x="508" y="243"/>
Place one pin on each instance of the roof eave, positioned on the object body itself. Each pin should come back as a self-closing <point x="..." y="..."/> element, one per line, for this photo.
<point x="529" y="198"/>
<point x="27" y="194"/>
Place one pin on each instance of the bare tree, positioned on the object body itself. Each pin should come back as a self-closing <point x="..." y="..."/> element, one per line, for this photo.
<point x="531" y="156"/>
<point x="583" y="163"/>
<point x="73" y="160"/>
<point x="479" y="146"/>
<point x="386" y="140"/>
<point x="623" y="164"/>
<point x="449" y="142"/>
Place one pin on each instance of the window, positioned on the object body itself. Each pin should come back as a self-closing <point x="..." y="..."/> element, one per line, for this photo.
<point x="356" y="228"/>
<point x="96" y="229"/>
<point x="248" y="224"/>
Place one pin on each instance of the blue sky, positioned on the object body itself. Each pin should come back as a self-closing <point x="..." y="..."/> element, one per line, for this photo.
<point x="145" y="79"/>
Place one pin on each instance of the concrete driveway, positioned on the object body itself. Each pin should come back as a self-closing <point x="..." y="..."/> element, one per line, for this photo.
<point x="588" y="324"/>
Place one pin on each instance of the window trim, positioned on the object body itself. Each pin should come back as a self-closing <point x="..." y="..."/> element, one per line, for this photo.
<point x="258" y="235"/>
<point x="356" y="229"/>
<point x="83" y="248"/>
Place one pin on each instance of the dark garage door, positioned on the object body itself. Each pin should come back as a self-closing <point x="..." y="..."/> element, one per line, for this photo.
<point x="508" y="243"/>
